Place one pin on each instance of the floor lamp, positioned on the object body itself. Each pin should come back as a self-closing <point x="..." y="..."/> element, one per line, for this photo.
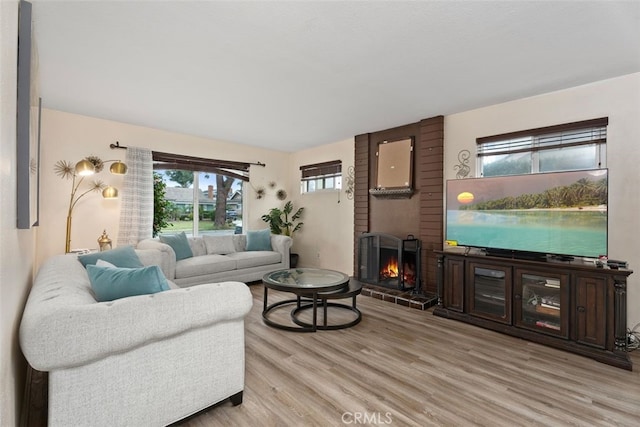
<point x="88" y="166"/>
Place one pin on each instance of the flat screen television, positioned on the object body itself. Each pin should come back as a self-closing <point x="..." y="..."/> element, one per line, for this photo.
<point x="559" y="213"/>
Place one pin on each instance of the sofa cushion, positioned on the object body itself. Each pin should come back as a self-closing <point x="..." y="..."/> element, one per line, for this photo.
<point x="255" y="258"/>
<point x="124" y="256"/>
<point x="220" y="245"/>
<point x="203" y="265"/>
<point x="110" y="283"/>
<point x="240" y="242"/>
<point x="179" y="244"/>
<point x="197" y="246"/>
<point x="259" y="240"/>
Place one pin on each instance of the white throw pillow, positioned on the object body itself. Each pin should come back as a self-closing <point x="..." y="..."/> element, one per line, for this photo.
<point x="220" y="245"/>
<point x="197" y="246"/>
<point x="103" y="263"/>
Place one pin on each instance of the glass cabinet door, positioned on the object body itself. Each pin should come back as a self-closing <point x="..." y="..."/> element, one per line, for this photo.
<point x="489" y="294"/>
<point x="541" y="302"/>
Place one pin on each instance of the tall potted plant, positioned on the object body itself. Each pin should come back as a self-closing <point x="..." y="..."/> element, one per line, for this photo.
<point x="285" y="221"/>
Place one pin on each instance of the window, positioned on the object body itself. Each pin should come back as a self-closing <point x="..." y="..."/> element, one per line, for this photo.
<point x="321" y="176"/>
<point x="205" y="195"/>
<point x="571" y="146"/>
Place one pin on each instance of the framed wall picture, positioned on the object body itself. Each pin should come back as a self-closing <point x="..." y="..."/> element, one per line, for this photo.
<point x="395" y="164"/>
<point x="27" y="124"/>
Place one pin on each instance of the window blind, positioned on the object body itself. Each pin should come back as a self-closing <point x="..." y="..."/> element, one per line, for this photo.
<point x="317" y="170"/>
<point x="547" y="138"/>
<point x="238" y="170"/>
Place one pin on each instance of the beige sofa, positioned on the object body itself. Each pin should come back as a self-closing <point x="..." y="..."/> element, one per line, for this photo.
<point x="221" y="257"/>
<point x="146" y="360"/>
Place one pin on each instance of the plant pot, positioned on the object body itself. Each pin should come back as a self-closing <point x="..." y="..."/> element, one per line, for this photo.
<point x="293" y="260"/>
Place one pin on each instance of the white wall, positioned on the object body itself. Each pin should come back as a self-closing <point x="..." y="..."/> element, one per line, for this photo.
<point x="618" y="99"/>
<point x="72" y="137"/>
<point x="16" y="246"/>
<point x="326" y="239"/>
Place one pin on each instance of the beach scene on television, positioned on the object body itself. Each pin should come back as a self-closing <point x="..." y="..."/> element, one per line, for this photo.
<point x="561" y="213"/>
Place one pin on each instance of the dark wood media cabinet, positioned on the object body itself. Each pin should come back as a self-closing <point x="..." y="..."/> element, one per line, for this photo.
<point x="569" y="305"/>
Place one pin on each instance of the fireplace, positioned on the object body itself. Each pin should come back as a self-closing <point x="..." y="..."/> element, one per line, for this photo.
<point x="389" y="261"/>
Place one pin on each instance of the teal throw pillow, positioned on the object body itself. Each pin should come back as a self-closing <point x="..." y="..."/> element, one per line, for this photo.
<point x="259" y="240"/>
<point x="179" y="244"/>
<point x="109" y="283"/>
<point x="124" y="257"/>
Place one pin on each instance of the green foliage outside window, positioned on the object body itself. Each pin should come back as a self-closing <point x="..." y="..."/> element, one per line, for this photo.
<point x="183" y="178"/>
<point x="162" y="208"/>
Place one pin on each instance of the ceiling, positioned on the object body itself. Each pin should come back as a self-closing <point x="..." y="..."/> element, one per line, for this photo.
<point x="298" y="74"/>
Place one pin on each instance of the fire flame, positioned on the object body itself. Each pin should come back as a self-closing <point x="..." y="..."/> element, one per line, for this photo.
<point x="391" y="269"/>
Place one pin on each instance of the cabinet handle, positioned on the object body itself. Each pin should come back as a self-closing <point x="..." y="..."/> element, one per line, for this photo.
<point x="580" y="309"/>
<point x="516" y="296"/>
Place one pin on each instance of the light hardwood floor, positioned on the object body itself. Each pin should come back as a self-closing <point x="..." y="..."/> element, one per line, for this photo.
<point x="405" y="367"/>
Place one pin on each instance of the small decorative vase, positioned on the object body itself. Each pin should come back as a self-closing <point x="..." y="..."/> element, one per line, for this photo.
<point x="104" y="242"/>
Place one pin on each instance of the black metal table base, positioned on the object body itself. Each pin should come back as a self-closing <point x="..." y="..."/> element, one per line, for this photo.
<point x="325" y="305"/>
<point x="300" y="328"/>
<point x="313" y="301"/>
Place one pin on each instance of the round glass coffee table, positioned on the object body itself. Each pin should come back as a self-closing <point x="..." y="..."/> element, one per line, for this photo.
<point x="312" y="287"/>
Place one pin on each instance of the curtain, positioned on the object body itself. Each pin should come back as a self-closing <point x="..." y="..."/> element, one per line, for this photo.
<point x="136" y="215"/>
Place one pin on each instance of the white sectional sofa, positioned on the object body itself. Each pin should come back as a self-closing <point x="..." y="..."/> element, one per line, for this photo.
<point x="221" y="257"/>
<point x="146" y="360"/>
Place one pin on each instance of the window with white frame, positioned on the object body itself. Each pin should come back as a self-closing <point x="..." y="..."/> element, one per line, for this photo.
<point x="321" y="176"/>
<point x="571" y="146"/>
<point x="204" y="195"/>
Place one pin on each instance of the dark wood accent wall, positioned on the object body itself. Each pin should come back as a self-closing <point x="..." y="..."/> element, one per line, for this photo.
<point x="360" y="193"/>
<point x="420" y="215"/>
<point x="430" y="159"/>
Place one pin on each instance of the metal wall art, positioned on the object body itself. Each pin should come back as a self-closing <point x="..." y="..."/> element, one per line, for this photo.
<point x="463" y="169"/>
<point x="350" y="182"/>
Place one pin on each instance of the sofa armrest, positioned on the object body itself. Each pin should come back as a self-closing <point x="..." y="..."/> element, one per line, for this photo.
<point x="154" y="257"/>
<point x="281" y="243"/>
<point x="57" y="332"/>
<point x="168" y="261"/>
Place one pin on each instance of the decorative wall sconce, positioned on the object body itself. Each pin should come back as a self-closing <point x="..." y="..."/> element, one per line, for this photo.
<point x="88" y="166"/>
